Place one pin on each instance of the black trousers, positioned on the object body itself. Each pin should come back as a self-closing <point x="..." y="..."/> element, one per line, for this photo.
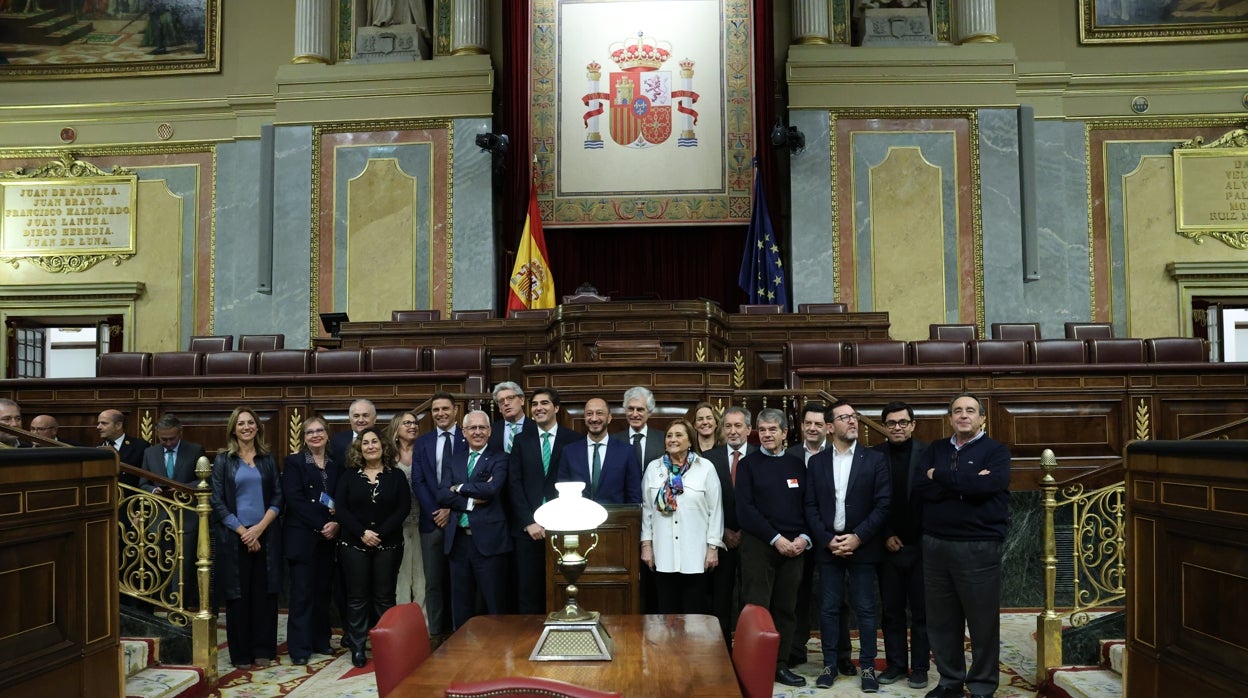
<point x="770" y="580"/>
<point x="683" y="593"/>
<point x="371" y="578"/>
<point x="530" y="569"/>
<point x="724" y="585"/>
<point x="311" y="593"/>
<point x="901" y="588"/>
<point x="251" y="619"/>
<point x="437" y="582"/>
<point x="964" y="596"/>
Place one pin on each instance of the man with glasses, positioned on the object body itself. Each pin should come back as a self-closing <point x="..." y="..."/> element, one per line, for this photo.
<point x="45" y="425"/>
<point x="509" y="397"/>
<point x="964" y="483"/>
<point x="901" y="568"/>
<point x="431" y="454"/>
<point x="846" y="502"/>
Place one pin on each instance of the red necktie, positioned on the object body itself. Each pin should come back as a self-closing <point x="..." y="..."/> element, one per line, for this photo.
<point x="736" y="456"/>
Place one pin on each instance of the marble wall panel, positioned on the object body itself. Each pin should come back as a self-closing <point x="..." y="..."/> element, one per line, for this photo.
<point x="1001" y="215"/>
<point x="475" y="257"/>
<point x="291" y="306"/>
<point x="810" y="191"/>
<point x="1062" y="293"/>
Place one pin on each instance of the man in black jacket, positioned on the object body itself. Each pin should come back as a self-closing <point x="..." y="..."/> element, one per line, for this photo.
<point x="964" y="483"/>
<point x="901" y="569"/>
<point x="727" y="459"/>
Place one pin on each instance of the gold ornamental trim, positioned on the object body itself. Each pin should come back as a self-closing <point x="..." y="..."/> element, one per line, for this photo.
<point x="1143" y="422"/>
<point x="146" y="427"/>
<point x="294" y="432"/>
<point x="738" y="371"/>
<point x="1235" y="140"/>
<point x="699" y="352"/>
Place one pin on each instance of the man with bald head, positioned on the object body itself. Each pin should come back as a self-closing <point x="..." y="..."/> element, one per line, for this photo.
<point x="362" y="415"/>
<point x="608" y="467"/>
<point x="111" y="424"/>
<point x="45" y="425"/>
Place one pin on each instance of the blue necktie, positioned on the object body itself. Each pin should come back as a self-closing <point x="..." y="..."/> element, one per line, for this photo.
<point x="169" y="464"/>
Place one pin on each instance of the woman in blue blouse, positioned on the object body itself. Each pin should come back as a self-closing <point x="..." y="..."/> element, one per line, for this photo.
<point x="309" y="479"/>
<point x="372" y="500"/>
<point x="246" y="501"/>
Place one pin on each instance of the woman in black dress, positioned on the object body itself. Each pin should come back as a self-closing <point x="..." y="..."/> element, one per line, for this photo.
<point x="373" y="499"/>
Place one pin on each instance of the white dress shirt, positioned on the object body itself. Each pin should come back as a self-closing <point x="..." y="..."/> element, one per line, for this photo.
<point x="679" y="540"/>
<point x="842" y="463"/>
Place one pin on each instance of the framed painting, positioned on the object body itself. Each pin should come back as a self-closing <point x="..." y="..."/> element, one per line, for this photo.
<point x="642" y="111"/>
<point x="59" y="39"/>
<point x="1139" y="21"/>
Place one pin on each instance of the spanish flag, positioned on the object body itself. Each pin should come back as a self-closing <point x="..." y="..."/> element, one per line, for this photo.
<point x="531" y="283"/>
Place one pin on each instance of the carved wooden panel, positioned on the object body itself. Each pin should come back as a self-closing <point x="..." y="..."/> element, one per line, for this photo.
<point x="610" y="583"/>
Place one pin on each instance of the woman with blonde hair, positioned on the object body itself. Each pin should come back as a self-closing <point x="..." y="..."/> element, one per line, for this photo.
<point x="706" y="423"/>
<point x="402" y="432"/>
<point x="372" y="500"/>
<point x="682" y="523"/>
<point x="247" y="499"/>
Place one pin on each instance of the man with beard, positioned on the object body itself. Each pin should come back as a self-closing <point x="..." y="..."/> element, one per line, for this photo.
<point x="431" y="454"/>
<point x="608" y="467"/>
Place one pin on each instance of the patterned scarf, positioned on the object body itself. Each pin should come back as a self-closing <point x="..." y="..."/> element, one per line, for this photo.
<point x="665" y="498"/>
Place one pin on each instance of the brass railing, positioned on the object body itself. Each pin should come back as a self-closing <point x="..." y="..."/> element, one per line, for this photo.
<point x="154" y="540"/>
<point x="1098" y="557"/>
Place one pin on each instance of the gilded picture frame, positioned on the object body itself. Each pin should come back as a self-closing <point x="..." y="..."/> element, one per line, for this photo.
<point x="71" y="39"/>
<point x="1138" y="21"/>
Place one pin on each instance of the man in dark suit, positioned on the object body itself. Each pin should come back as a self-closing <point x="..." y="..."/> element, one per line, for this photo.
<point x="532" y="470"/>
<point x="45" y="425"/>
<point x="431" y="455"/>
<point x="814" y="439"/>
<point x="362" y="415"/>
<point x="476" y="537"/>
<point x="510" y="400"/>
<point x="174" y="459"/>
<point x="10" y="416"/>
<point x="724" y="579"/>
<point x="111" y="424"/>
<point x="901" y="568"/>
<point x="846" y="503"/>
<point x="647" y="443"/>
<point x="608" y="467"/>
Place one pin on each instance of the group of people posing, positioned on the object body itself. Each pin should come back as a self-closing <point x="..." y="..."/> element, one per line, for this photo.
<point x="908" y="535"/>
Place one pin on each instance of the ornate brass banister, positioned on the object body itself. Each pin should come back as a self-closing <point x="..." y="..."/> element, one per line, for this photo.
<point x="153" y="546"/>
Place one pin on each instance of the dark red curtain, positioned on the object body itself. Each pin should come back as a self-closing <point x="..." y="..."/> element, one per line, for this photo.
<point x="661" y="262"/>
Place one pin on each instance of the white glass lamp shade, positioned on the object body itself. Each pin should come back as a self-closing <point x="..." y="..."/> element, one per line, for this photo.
<point x="570" y="511"/>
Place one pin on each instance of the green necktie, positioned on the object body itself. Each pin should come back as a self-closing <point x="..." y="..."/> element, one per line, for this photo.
<point x="593" y="487"/>
<point x="472" y="462"/>
<point x="545" y="453"/>
<point x="513" y="429"/>
<point x="169" y="464"/>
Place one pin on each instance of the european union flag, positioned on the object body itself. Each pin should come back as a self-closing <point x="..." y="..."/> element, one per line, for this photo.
<point x="762" y="272"/>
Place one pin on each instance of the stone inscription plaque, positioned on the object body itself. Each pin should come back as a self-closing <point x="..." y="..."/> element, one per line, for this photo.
<point x="94" y="215"/>
<point x="1211" y="190"/>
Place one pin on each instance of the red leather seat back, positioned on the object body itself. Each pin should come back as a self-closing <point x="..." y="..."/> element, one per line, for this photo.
<point x="999" y="352"/>
<point x="285" y="361"/>
<point x="205" y="344"/>
<point x="261" y="342"/>
<point x="885" y="352"/>
<point x="403" y="358"/>
<point x="178" y="363"/>
<point x="230" y="363"/>
<point x="340" y="361"/>
<point x="124" y="363"/>
<point x="821" y="308"/>
<point x="415" y="315"/>
<point x="1058" y="351"/>
<point x="1172" y="349"/>
<point x="937" y="352"/>
<point x="1089" y="330"/>
<point x="960" y="333"/>
<point x="524" y="687"/>
<point x="1121" y="350"/>
<point x="1016" y="330"/>
<point x="400" y="644"/>
<point x="755" y="645"/>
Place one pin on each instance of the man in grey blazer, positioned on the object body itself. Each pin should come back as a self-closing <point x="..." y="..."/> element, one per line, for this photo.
<point x="173" y="458"/>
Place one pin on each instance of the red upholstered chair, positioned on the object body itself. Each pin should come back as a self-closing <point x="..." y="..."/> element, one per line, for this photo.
<point x="821" y="308"/>
<point x="812" y="354"/>
<point x="472" y="314"/>
<point x="761" y="309"/>
<point x="400" y="644"/>
<point x="178" y="363"/>
<point x="885" y="352"/>
<point x="404" y="358"/>
<point x="473" y="360"/>
<point x="524" y="687"/>
<point x="936" y="352"/>
<point x="1089" y="330"/>
<point x="205" y="344"/>
<point x="261" y="342"/>
<point x="999" y="352"/>
<point x="1121" y="350"/>
<point x="414" y="315"/>
<point x="530" y="314"/>
<point x="1057" y="351"/>
<point x="230" y="363"/>
<point x="124" y="363"/>
<point x="754" y="647"/>
<point x="340" y="361"/>
<point x="1016" y="330"/>
<point x="1171" y="349"/>
<point x="958" y="333"/>
<point x="284" y="361"/>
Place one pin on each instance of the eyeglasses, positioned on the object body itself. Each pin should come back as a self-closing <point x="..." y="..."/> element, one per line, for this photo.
<point x="845" y="418"/>
<point x="509" y="398"/>
<point x="476" y="427"/>
<point x="43" y="428"/>
<point x="408" y="423"/>
<point x="313" y="432"/>
<point x="898" y="423"/>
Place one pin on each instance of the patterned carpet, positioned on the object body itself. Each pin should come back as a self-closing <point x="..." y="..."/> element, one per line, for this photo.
<point x="328" y="676"/>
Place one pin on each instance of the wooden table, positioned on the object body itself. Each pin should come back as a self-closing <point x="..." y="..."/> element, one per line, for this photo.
<point x="672" y="655"/>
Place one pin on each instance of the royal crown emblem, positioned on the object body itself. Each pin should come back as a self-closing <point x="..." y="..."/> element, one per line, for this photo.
<point x="641" y="96"/>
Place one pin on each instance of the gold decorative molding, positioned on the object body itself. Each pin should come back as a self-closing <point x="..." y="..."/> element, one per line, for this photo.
<point x="538" y="359"/>
<point x="1143" y="423"/>
<point x="294" y="431"/>
<point x="699" y="352"/>
<point x="145" y="426"/>
<point x="1235" y="139"/>
<point x="567" y="353"/>
<point x="738" y="371"/>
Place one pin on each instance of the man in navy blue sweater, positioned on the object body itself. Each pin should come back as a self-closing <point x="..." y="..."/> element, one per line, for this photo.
<point x="769" y="489"/>
<point x="964" y="483"/>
